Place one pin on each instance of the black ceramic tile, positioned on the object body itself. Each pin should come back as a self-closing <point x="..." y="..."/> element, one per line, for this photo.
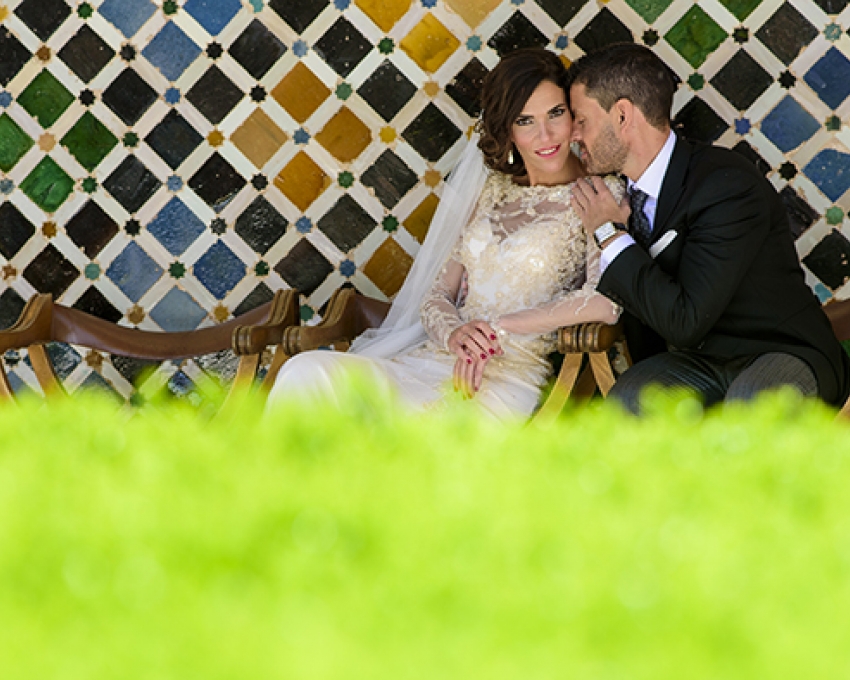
<point x="129" y="96"/>
<point x="216" y="182"/>
<point x="342" y="47"/>
<point x="753" y="156"/>
<point x="830" y="259"/>
<point x="742" y="80"/>
<point x="63" y="357"/>
<point x="214" y="95"/>
<point x="15" y="230"/>
<point x="346" y="224"/>
<point x="134" y="371"/>
<point x="257" y="49"/>
<point x="602" y="30"/>
<point x="515" y="33"/>
<point x="465" y="87"/>
<point x="93" y="302"/>
<point x="50" y="272"/>
<point x="390" y="178"/>
<point x="801" y="215"/>
<point x="174" y="139"/>
<point x="260" y="225"/>
<point x="832" y="6"/>
<point x="91" y="229"/>
<point x="304" y="268"/>
<point x="132" y="184"/>
<point x="86" y="53"/>
<point x="298" y="13"/>
<point x="431" y="133"/>
<point x="11" y="306"/>
<point x="43" y="17"/>
<point x="259" y="296"/>
<point x="13" y="56"/>
<point x="562" y="11"/>
<point x="387" y="90"/>
<point x="786" y="33"/>
<point x="698" y="121"/>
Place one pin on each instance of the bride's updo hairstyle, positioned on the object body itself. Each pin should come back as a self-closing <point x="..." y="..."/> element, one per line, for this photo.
<point x="504" y="93"/>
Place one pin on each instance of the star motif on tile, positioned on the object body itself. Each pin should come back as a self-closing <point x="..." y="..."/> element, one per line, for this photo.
<point x="258" y="93"/>
<point x="650" y="37"/>
<point x="94" y="360"/>
<point x="44" y="53"/>
<point x="787" y="171"/>
<point x="221" y="313"/>
<point x="432" y="178"/>
<point x="48" y="229"/>
<point x="9" y="272"/>
<point x="136" y="315"/>
<point x="786" y="79"/>
<point x="215" y="138"/>
<point x="46" y="142"/>
<point x="431" y="88"/>
<point x="741" y="34"/>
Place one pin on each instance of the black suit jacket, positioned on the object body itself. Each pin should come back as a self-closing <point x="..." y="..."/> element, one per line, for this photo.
<point x="729" y="284"/>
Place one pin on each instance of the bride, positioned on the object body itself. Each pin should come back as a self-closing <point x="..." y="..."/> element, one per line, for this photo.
<point x="506" y="262"/>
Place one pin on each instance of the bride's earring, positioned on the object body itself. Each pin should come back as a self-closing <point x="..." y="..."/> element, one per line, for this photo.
<point x="511" y="157"/>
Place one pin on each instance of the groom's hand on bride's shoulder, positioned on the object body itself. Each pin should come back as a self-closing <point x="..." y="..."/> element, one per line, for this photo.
<point x="595" y="204"/>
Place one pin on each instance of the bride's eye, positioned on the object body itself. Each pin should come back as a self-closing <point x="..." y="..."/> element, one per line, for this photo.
<point x="557" y="112"/>
<point x="523" y="120"/>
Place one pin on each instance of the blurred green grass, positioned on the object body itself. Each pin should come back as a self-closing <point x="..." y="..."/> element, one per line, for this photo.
<point x="313" y="544"/>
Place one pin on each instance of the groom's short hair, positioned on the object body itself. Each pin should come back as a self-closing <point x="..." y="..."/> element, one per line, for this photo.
<point x="628" y="71"/>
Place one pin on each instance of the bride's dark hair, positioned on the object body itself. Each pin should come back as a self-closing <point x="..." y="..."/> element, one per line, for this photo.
<point x="504" y="92"/>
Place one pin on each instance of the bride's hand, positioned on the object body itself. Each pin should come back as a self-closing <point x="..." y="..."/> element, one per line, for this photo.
<point x="473" y="343"/>
<point x="596" y="205"/>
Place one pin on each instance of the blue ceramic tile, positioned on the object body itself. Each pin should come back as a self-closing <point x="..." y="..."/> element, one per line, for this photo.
<point x="63" y="357"/>
<point x="789" y="125"/>
<point x="171" y="51"/>
<point x="176" y="227"/>
<point x="128" y="16"/>
<point x="95" y="382"/>
<point x="219" y="270"/>
<point x="830" y="78"/>
<point x="177" y="311"/>
<point x="213" y="15"/>
<point x="830" y="172"/>
<point x="134" y="272"/>
<point x="181" y="385"/>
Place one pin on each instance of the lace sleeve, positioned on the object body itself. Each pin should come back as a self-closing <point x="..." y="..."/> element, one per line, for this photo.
<point x="581" y="305"/>
<point x="439" y="312"/>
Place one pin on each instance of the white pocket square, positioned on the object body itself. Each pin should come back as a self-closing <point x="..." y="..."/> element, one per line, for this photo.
<point x="656" y="248"/>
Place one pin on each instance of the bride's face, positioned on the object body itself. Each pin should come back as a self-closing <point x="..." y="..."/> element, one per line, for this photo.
<point x="541" y="134"/>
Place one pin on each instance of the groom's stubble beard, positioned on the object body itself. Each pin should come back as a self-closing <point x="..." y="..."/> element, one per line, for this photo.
<point x="607" y="155"/>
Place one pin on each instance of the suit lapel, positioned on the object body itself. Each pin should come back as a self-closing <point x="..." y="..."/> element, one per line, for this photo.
<point x="672" y="188"/>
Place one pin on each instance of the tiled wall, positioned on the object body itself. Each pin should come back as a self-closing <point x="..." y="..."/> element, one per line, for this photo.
<point x="169" y="164"/>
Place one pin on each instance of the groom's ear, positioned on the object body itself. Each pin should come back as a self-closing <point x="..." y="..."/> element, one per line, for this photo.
<point x="623" y="114"/>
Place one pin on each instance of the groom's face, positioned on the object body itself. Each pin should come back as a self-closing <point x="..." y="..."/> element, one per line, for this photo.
<point x="601" y="150"/>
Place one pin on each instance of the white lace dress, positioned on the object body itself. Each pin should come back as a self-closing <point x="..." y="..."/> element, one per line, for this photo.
<point x="529" y="266"/>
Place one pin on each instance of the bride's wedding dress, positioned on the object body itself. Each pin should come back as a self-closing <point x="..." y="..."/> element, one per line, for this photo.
<point x="526" y="258"/>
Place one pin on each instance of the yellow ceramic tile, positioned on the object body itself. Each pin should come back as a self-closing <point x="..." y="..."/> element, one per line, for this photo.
<point x="388" y="267"/>
<point x="385" y="13"/>
<point x="136" y="315"/>
<point x="300" y="92"/>
<point x="473" y="12"/>
<point x="4" y="12"/>
<point x="419" y="220"/>
<point x="302" y="181"/>
<point x="429" y="44"/>
<point x="388" y="135"/>
<point x="431" y="178"/>
<point x="46" y="142"/>
<point x="215" y="138"/>
<point x="48" y="229"/>
<point x="345" y="136"/>
<point x="221" y="313"/>
<point x="258" y="138"/>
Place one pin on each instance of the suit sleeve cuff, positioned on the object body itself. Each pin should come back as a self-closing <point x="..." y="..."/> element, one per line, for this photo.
<point x="617" y="246"/>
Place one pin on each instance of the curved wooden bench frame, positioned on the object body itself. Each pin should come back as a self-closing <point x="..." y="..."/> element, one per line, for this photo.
<point x="349" y="313"/>
<point x="43" y="321"/>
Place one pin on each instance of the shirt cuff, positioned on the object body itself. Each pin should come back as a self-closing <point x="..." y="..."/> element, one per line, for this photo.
<point x="617" y="246"/>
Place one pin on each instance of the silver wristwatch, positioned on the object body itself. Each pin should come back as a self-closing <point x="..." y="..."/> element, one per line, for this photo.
<point x="606" y="231"/>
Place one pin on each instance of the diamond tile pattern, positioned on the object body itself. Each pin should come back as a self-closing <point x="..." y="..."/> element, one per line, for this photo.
<point x="159" y="167"/>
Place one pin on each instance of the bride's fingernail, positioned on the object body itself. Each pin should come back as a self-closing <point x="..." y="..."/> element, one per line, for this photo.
<point x="483" y="356"/>
<point x="468" y="360"/>
<point x="492" y="351"/>
<point x="492" y="336"/>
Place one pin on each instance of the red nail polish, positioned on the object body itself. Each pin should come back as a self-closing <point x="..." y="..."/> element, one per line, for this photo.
<point x="469" y="361"/>
<point x="492" y="351"/>
<point x="483" y="356"/>
<point x="492" y="336"/>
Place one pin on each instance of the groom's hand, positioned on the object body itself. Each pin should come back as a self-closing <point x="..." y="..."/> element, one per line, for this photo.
<point x="596" y="205"/>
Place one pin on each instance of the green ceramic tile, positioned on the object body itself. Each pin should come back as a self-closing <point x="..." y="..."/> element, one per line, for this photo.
<point x="48" y="185"/>
<point x="740" y="8"/>
<point x="650" y="10"/>
<point x="695" y="36"/>
<point x="89" y="141"/>
<point x="14" y="143"/>
<point x="45" y="99"/>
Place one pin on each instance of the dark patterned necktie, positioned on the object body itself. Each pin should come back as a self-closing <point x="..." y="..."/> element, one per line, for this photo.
<point x="639" y="226"/>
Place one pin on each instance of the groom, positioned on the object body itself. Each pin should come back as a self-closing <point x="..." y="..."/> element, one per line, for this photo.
<point x="703" y="263"/>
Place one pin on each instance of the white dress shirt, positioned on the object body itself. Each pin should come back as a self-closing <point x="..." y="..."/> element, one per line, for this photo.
<point x="649" y="183"/>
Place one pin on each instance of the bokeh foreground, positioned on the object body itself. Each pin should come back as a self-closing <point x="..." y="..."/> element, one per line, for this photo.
<point x="315" y="546"/>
